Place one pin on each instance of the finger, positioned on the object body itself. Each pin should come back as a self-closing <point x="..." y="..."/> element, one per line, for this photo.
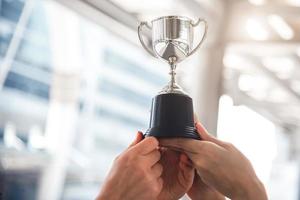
<point x="138" y="138"/>
<point x="206" y="136"/>
<point x="157" y="170"/>
<point x="160" y="183"/>
<point x="153" y="157"/>
<point x="198" y="181"/>
<point x="146" y="146"/>
<point x="184" y="159"/>
<point x="187" y="172"/>
<point x="162" y="150"/>
<point x="200" y="128"/>
<point x="181" y="144"/>
<point x="210" y="190"/>
<point x="185" y="167"/>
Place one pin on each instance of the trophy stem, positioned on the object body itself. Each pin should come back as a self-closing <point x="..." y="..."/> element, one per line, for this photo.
<point x="172" y="62"/>
<point x="173" y="73"/>
<point x="172" y="86"/>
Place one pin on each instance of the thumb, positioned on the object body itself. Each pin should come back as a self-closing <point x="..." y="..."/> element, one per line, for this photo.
<point x="206" y="136"/>
<point x="184" y="159"/>
<point x="187" y="169"/>
<point x="146" y="146"/>
<point x="139" y="137"/>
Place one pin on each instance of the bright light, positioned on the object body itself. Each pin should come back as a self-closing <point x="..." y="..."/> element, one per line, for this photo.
<point x="298" y="51"/>
<point x="251" y="133"/>
<point x="234" y="60"/>
<point x="278" y="95"/>
<point x="282" y="66"/>
<point x="281" y="27"/>
<point x="295" y="84"/>
<point x="294" y="2"/>
<point x="36" y="138"/>
<point x="5" y="29"/>
<point x="256" y="29"/>
<point x="245" y="82"/>
<point x="231" y="60"/>
<point x="145" y="5"/>
<point x="249" y="82"/>
<point x="257" y="2"/>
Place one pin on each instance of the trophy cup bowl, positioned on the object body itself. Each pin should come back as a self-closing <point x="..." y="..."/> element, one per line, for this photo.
<point x="172" y="112"/>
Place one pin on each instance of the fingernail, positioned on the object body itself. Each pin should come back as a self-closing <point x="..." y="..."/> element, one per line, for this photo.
<point x="196" y="119"/>
<point x="140" y="132"/>
<point x="199" y="125"/>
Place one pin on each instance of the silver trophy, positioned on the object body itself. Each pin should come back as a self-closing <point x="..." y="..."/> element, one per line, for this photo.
<point x="172" y="41"/>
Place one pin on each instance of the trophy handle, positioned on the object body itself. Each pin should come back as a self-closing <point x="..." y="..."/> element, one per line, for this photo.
<point x="150" y="51"/>
<point x="203" y="37"/>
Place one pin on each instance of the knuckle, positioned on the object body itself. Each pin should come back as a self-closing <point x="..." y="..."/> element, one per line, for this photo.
<point x="141" y="169"/>
<point x="201" y="147"/>
<point x="158" y="170"/>
<point x="156" y="188"/>
<point x="153" y="141"/>
<point x="198" y="163"/>
<point x="157" y="155"/>
<point x="144" y="171"/>
<point x="123" y="159"/>
<point x="138" y="166"/>
<point x="160" y="167"/>
<point x="139" y="172"/>
<point x="149" y="177"/>
<point x="210" y="148"/>
<point x="229" y="145"/>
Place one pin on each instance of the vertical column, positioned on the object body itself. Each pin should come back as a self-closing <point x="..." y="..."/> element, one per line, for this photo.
<point x="62" y="115"/>
<point x="207" y="76"/>
<point x="209" y="87"/>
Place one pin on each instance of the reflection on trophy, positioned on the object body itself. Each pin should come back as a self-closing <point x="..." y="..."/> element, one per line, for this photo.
<point x="172" y="112"/>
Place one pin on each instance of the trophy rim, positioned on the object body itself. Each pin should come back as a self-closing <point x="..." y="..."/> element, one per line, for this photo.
<point x="172" y="17"/>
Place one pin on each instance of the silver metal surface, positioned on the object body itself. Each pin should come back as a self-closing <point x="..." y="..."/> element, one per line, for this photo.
<point x="140" y="27"/>
<point x="172" y="41"/>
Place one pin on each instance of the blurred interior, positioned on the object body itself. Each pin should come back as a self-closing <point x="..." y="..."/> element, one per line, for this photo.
<point x="76" y="85"/>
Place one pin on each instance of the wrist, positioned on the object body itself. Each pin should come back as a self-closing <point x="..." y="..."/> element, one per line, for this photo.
<point x="103" y="196"/>
<point x="253" y="190"/>
<point x="206" y="193"/>
<point x="107" y="194"/>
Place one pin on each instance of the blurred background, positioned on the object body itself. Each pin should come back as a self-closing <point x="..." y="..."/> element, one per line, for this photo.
<point x="76" y="85"/>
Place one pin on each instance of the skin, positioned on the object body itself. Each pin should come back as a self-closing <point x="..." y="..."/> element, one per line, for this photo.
<point x="201" y="191"/>
<point x="221" y="166"/>
<point x="136" y="173"/>
<point x="177" y="175"/>
<point x="183" y="178"/>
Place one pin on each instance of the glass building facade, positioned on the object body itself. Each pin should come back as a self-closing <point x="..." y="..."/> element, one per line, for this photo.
<point x="113" y="103"/>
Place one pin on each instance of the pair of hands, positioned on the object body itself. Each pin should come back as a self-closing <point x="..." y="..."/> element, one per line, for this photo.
<point x="149" y="169"/>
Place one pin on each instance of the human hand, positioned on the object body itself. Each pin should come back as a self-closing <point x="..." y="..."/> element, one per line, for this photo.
<point x="135" y="173"/>
<point x="177" y="174"/>
<point x="221" y="166"/>
<point x="201" y="191"/>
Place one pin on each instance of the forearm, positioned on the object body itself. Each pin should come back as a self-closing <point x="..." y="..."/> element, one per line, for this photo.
<point x="108" y="193"/>
<point x="207" y="194"/>
<point x="107" y="196"/>
<point x="254" y="190"/>
<point x="103" y="196"/>
<point x="218" y="197"/>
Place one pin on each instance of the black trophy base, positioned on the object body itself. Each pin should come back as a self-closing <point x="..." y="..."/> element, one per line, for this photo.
<point x="172" y="116"/>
